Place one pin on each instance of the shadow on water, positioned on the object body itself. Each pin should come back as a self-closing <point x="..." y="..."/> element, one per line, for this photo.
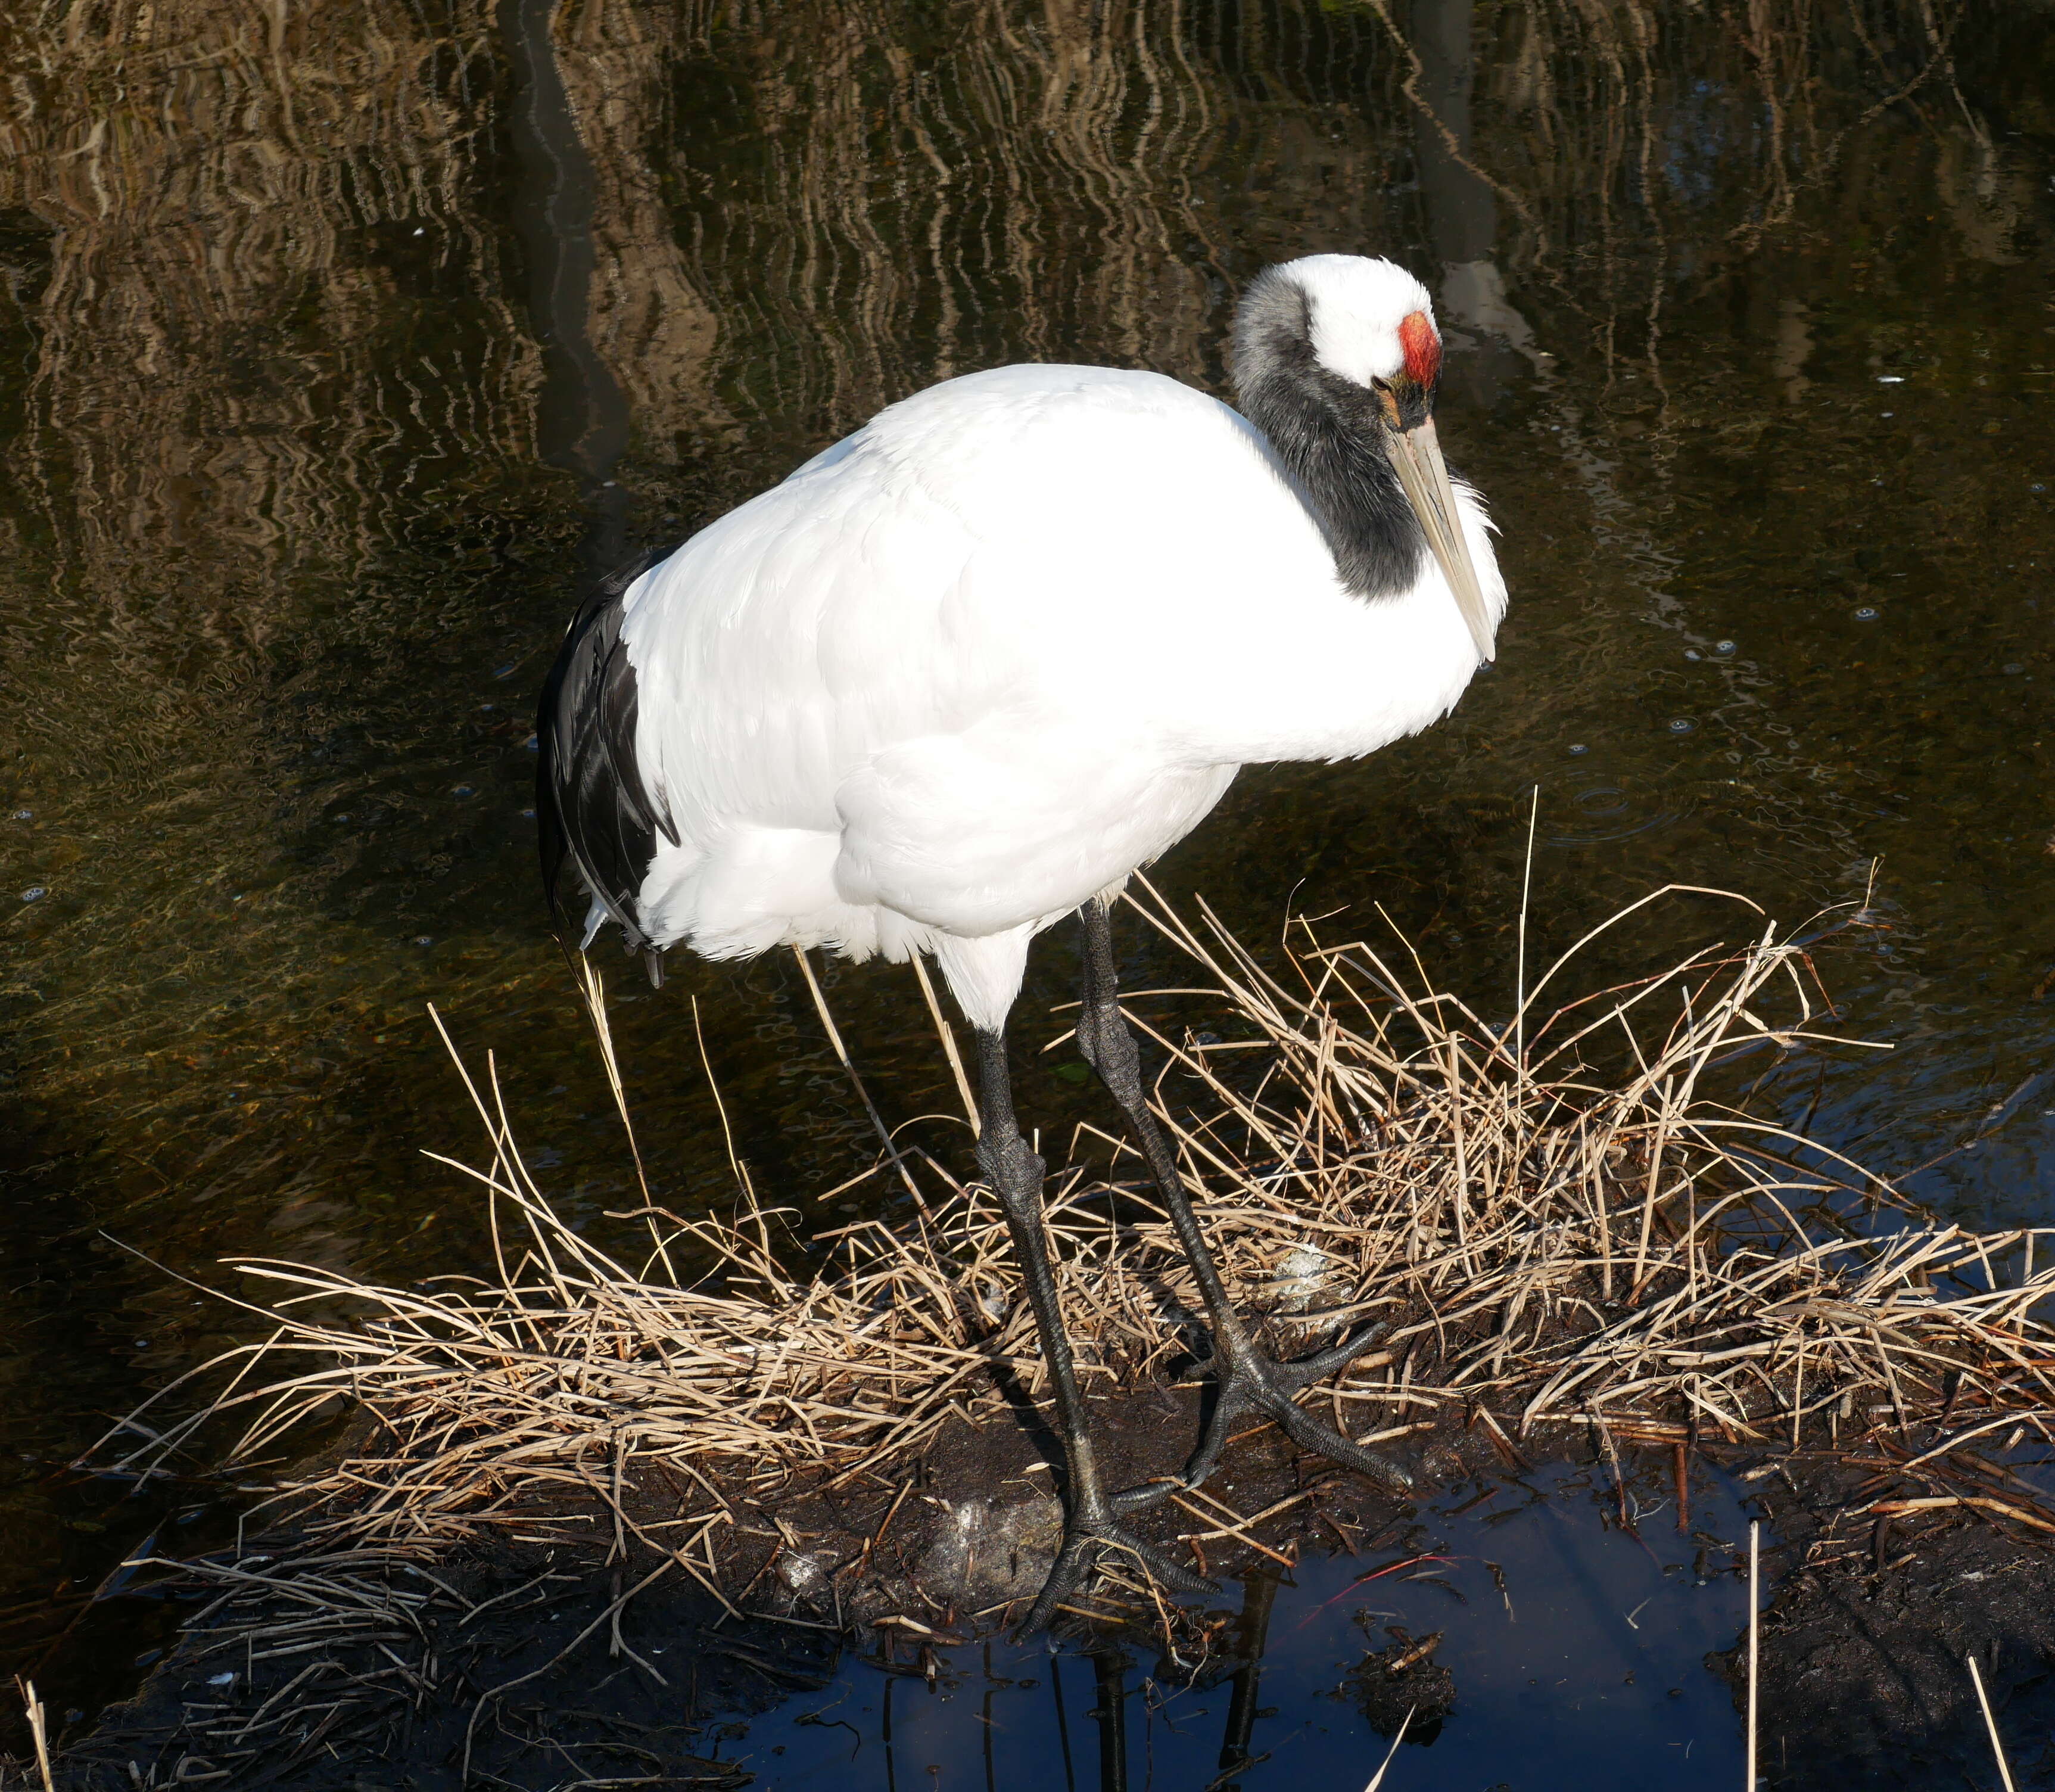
<point x="1571" y="1651"/>
<point x="337" y="343"/>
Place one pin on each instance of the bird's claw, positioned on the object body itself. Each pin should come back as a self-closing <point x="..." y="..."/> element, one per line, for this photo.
<point x="1249" y="1382"/>
<point x="1323" y="1363"/>
<point x="1141" y="1497"/>
<point x="1086" y="1542"/>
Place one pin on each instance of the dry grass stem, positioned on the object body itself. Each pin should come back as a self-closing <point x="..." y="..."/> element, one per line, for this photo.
<point x="1576" y="1234"/>
<point x="1990" y="1725"/>
<point x="39" y="1731"/>
<point x="1754" y="1641"/>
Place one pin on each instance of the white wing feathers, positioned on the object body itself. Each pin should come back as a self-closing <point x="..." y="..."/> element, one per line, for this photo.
<point x="984" y="658"/>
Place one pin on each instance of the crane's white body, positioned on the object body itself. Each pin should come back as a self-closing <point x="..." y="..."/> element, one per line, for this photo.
<point x="984" y="658"/>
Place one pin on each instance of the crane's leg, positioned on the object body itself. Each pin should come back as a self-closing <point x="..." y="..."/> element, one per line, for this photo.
<point x="1089" y="1529"/>
<point x="1246" y="1379"/>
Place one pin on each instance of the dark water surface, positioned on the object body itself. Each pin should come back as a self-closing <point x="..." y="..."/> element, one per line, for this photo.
<point x="338" y="342"/>
<point x="1575" y="1647"/>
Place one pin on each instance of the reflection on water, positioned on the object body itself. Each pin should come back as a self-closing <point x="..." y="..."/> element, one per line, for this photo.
<point x="1570" y="1653"/>
<point x="323" y="332"/>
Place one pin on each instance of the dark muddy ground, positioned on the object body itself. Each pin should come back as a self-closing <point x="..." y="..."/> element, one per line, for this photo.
<point x="520" y="1661"/>
<point x="1864" y="1678"/>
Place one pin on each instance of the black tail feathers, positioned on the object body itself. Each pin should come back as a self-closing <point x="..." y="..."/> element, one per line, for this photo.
<point x="592" y="805"/>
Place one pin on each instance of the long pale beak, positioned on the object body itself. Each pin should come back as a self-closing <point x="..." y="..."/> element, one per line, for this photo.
<point x="1416" y="457"/>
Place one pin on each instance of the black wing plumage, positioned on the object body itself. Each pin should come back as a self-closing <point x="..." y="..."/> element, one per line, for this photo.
<point x="592" y="806"/>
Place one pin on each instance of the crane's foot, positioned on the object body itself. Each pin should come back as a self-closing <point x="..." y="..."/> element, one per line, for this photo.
<point x="1251" y="1383"/>
<point x="1089" y="1543"/>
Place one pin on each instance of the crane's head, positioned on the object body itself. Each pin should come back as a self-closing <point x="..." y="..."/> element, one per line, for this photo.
<point x="1330" y="351"/>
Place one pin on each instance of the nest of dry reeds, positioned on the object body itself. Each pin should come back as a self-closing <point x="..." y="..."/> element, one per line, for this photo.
<point x="1548" y="1243"/>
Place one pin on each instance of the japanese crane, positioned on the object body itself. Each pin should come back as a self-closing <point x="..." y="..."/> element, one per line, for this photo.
<point x="962" y="674"/>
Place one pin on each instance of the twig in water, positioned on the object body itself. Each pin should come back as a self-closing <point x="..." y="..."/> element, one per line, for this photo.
<point x="1754" y="1635"/>
<point x="39" y="1729"/>
<point x="1376" y="1778"/>
<point x="1990" y="1725"/>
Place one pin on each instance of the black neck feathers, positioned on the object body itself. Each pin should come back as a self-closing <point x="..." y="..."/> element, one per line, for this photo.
<point x="1328" y="432"/>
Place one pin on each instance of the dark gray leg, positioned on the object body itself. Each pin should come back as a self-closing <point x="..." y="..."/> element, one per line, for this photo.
<point x="1248" y="1380"/>
<point x="1090" y="1531"/>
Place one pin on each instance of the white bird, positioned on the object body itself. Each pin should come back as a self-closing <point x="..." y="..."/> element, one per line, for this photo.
<point x="964" y="672"/>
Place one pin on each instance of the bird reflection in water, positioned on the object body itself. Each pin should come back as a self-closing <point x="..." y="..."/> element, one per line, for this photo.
<point x="1112" y="1666"/>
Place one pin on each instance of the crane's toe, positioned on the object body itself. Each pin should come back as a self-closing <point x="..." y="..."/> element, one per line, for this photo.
<point x="1250" y="1382"/>
<point x="1148" y="1494"/>
<point x="1308" y="1433"/>
<point x="1090" y="1545"/>
<point x="1323" y="1364"/>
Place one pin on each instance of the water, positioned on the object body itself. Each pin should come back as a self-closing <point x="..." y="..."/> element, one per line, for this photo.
<point x="335" y="346"/>
<point x="1569" y="1639"/>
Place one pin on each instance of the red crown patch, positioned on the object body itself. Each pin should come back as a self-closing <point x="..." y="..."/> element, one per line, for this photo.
<point x="1423" y="348"/>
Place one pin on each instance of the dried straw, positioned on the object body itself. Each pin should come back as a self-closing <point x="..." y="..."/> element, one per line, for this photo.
<point x="1990" y="1725"/>
<point x="1552" y="1244"/>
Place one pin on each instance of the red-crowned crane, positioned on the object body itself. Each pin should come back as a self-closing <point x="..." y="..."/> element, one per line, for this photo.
<point x="963" y="672"/>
